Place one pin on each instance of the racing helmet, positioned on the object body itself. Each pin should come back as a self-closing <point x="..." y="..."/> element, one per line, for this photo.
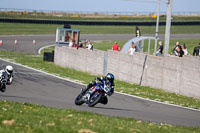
<point x="9" y="70"/>
<point x="110" y="77"/>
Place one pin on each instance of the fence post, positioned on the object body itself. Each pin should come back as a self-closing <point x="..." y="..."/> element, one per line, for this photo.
<point x="149" y="46"/>
<point x="105" y="63"/>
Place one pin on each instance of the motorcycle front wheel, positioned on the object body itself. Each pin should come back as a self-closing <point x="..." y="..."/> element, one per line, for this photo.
<point x="94" y="99"/>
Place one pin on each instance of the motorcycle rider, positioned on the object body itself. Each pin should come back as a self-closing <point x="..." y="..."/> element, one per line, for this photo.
<point x="9" y="71"/>
<point x="108" y="87"/>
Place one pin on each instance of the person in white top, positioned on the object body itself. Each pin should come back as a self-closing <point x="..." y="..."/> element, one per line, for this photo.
<point x="71" y="43"/>
<point x="185" y="49"/>
<point x="132" y="49"/>
<point x="90" y="46"/>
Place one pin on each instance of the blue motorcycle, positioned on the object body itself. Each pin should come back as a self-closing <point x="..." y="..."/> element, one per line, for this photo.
<point x="95" y="94"/>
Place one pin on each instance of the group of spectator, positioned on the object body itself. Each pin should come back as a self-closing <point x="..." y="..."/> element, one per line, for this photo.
<point x="87" y="45"/>
<point x="179" y="50"/>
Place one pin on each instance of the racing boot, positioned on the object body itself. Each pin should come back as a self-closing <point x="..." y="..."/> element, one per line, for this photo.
<point x="3" y="88"/>
<point x="104" y="100"/>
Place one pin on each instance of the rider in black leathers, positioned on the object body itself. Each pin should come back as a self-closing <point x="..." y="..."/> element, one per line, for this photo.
<point x="109" y="85"/>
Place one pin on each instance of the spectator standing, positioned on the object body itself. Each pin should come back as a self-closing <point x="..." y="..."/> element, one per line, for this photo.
<point x="174" y="50"/>
<point x="86" y="44"/>
<point x="160" y="49"/>
<point x="179" y="52"/>
<point x="132" y="49"/>
<point x="76" y="46"/>
<point x="184" y="48"/>
<point x="80" y="44"/>
<point x="116" y="47"/>
<point x="71" y="43"/>
<point x="67" y="37"/>
<point x="90" y="46"/>
<point x="196" y="51"/>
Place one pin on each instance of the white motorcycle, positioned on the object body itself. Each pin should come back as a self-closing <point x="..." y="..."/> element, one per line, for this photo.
<point x="3" y="81"/>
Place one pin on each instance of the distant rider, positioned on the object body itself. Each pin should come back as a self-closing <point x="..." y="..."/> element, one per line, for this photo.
<point x="108" y="87"/>
<point x="9" y="71"/>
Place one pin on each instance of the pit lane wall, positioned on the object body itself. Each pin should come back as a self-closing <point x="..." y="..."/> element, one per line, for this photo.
<point x="173" y="74"/>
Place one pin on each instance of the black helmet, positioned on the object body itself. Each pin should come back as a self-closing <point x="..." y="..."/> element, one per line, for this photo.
<point x="110" y="77"/>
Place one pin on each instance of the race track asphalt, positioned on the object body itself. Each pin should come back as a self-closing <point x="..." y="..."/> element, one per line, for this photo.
<point x="35" y="87"/>
<point x="39" y="88"/>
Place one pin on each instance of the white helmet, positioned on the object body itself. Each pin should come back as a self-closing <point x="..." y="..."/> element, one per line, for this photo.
<point x="9" y="69"/>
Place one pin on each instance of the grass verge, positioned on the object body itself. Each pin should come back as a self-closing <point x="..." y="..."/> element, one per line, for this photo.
<point x="19" y="118"/>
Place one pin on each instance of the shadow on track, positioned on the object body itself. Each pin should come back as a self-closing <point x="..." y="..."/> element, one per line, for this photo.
<point x="110" y="108"/>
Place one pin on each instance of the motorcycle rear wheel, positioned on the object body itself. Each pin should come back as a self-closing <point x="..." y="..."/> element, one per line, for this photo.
<point x="79" y="100"/>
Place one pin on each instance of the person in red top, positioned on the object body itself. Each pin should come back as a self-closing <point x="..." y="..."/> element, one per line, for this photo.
<point x="115" y="47"/>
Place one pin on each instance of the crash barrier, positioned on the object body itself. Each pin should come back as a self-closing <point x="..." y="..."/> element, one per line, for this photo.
<point x="170" y="73"/>
<point x="48" y="56"/>
<point x="108" y="23"/>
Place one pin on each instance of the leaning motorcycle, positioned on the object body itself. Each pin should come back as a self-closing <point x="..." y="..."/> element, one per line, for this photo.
<point x="95" y="94"/>
<point x="3" y="81"/>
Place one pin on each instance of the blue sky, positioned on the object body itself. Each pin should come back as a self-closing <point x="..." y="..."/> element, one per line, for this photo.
<point x="102" y="5"/>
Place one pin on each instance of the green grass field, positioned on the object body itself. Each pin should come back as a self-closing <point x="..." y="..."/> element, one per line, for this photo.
<point x="28" y="118"/>
<point x="37" y="29"/>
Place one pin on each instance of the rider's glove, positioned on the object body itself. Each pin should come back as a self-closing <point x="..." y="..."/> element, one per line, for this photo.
<point x="98" y="80"/>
